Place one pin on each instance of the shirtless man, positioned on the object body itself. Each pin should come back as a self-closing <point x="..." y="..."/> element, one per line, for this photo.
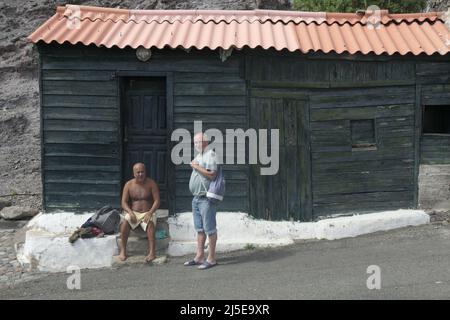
<point x="140" y="200"/>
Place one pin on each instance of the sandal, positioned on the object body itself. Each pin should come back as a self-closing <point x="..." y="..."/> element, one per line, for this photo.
<point x="206" y="265"/>
<point x="192" y="263"/>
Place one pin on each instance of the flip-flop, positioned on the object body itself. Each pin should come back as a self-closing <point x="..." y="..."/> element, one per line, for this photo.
<point x="206" y="265"/>
<point x="192" y="263"/>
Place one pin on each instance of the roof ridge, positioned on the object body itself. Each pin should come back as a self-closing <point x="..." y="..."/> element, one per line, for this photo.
<point x="257" y="15"/>
<point x="227" y="11"/>
<point x="318" y="23"/>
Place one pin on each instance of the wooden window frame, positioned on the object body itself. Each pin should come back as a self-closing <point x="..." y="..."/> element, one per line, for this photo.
<point x="365" y="146"/>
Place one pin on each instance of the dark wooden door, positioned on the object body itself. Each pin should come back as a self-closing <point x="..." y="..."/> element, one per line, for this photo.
<point x="145" y="131"/>
<point x="287" y="194"/>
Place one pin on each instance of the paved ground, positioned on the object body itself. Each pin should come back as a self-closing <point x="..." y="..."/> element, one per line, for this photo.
<point x="9" y="265"/>
<point x="414" y="264"/>
<point x="11" y="272"/>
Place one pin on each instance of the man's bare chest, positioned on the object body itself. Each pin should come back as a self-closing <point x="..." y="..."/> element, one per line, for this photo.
<point x="139" y="193"/>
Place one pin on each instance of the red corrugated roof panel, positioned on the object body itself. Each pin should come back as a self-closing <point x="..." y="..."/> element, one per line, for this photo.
<point x="378" y="32"/>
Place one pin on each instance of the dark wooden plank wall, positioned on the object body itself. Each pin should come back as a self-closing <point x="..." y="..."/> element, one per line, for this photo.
<point x="347" y="179"/>
<point x="219" y="101"/>
<point x="343" y="179"/>
<point x="435" y="149"/>
<point x="80" y="112"/>
<point x="434" y="79"/>
<point x="290" y="188"/>
<point x="80" y="117"/>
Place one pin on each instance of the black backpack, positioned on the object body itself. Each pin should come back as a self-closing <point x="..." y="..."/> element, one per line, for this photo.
<point x="107" y="219"/>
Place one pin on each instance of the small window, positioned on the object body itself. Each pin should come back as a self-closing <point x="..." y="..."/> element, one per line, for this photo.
<point x="436" y="119"/>
<point x="363" y="134"/>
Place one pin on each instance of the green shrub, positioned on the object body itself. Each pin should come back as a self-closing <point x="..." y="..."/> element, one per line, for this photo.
<point x="249" y="246"/>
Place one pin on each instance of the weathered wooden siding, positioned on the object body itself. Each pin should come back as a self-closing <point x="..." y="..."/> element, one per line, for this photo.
<point x="435" y="149"/>
<point x="433" y="72"/>
<point x="435" y="91"/>
<point x="219" y="101"/>
<point x="338" y="91"/>
<point x="353" y="179"/>
<point x="434" y="175"/>
<point x="81" y="120"/>
<point x="82" y="134"/>
<point x="290" y="188"/>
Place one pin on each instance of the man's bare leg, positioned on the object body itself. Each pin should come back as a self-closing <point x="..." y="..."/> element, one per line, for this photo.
<point x="201" y="239"/>
<point x="124" y="234"/>
<point x="212" y="248"/>
<point x="151" y="242"/>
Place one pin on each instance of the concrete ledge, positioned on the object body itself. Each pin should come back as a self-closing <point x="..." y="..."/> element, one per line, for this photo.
<point x="239" y="231"/>
<point x="47" y="247"/>
<point x="138" y="245"/>
<point x="67" y="222"/>
<point x="345" y="227"/>
<point x="44" y="244"/>
<point x="47" y="252"/>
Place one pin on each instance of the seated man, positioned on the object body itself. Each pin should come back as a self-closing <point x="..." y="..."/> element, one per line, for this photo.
<point x="140" y="200"/>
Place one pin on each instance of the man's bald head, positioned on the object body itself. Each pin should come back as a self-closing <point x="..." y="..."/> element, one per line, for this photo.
<point x="201" y="137"/>
<point x="201" y="141"/>
<point x="139" y="171"/>
<point x="138" y="165"/>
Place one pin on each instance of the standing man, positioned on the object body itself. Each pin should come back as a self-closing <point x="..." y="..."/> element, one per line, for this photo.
<point x="204" y="168"/>
<point x="140" y="200"/>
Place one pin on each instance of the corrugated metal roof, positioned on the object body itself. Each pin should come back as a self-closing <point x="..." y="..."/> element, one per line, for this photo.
<point x="378" y="32"/>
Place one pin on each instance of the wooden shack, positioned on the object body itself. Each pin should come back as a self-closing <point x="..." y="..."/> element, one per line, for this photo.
<point x="360" y="104"/>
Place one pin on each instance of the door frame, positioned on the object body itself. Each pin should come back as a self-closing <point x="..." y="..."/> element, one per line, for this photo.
<point x="120" y="77"/>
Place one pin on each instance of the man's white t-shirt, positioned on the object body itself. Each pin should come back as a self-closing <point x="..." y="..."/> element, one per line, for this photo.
<point x="198" y="184"/>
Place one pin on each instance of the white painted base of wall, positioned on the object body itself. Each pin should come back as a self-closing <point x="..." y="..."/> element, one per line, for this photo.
<point x="54" y="253"/>
<point x="238" y="230"/>
<point x="47" y="247"/>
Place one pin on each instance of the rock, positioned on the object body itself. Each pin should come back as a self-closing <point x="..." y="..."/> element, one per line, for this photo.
<point x="17" y="213"/>
<point x="160" y="260"/>
<point x="4" y="203"/>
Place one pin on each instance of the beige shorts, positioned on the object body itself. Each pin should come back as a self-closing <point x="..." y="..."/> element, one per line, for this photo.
<point x="140" y="220"/>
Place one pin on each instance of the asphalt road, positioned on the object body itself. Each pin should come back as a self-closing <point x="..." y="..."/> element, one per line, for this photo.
<point x="414" y="264"/>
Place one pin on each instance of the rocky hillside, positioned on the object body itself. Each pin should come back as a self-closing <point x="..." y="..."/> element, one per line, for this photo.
<point x="20" y="178"/>
<point x="438" y="5"/>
